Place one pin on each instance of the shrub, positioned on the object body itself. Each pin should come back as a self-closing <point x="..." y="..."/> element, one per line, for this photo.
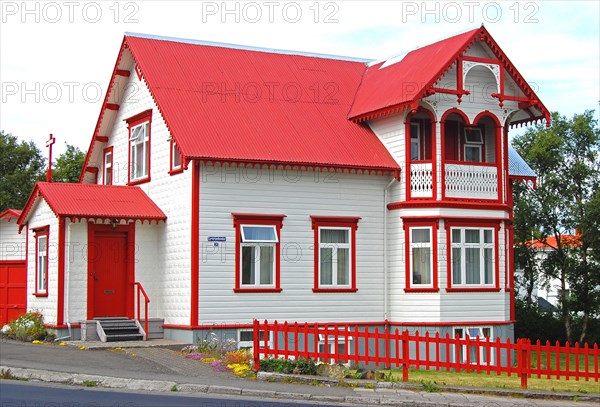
<point x="303" y="366"/>
<point x="28" y="327"/>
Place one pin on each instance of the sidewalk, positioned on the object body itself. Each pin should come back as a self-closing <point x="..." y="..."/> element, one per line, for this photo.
<point x="160" y="368"/>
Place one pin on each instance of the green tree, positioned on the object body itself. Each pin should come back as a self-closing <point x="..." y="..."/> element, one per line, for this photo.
<point x="566" y="157"/>
<point x="21" y="166"/>
<point x="68" y="165"/>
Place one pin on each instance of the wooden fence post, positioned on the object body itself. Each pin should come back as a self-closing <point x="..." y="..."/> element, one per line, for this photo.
<point x="255" y="338"/>
<point x="523" y="361"/>
<point x="405" y="356"/>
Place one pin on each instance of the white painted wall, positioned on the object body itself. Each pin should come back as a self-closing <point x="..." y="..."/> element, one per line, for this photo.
<point x="41" y="215"/>
<point x="163" y="255"/>
<point x="297" y="195"/>
<point x="12" y="244"/>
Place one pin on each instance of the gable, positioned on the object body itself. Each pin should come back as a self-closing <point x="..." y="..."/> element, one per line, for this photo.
<point x="442" y="68"/>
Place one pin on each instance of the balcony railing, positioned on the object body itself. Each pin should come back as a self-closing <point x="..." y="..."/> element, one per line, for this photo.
<point x="421" y="180"/>
<point x="471" y="181"/>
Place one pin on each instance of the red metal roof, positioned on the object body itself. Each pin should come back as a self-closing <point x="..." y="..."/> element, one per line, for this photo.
<point x="94" y="201"/>
<point x="229" y="104"/>
<point x="551" y="242"/>
<point x="405" y="81"/>
<point x="10" y="213"/>
<point x="400" y="85"/>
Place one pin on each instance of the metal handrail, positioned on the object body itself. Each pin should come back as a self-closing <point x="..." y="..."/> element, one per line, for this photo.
<point x="141" y="290"/>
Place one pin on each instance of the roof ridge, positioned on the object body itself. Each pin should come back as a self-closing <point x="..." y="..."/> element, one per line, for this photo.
<point x="249" y="47"/>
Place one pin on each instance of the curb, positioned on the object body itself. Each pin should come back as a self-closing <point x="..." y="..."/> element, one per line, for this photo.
<point x="373" y="384"/>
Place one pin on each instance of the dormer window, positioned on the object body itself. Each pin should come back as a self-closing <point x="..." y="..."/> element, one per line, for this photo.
<point x="473" y="144"/>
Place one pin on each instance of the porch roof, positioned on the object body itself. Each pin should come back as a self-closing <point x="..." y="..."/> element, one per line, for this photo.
<point x="518" y="167"/>
<point x="94" y="201"/>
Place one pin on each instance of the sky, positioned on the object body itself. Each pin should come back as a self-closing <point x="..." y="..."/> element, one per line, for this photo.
<point x="56" y="57"/>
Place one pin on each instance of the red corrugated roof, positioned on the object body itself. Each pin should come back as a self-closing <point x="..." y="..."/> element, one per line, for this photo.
<point x="94" y="201"/>
<point x="405" y="81"/>
<point x="254" y="106"/>
<point x="550" y="242"/>
<point x="10" y="213"/>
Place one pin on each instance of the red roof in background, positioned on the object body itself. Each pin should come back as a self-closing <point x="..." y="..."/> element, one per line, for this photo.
<point x="229" y="104"/>
<point x="406" y="81"/>
<point x="551" y="242"/>
<point x="94" y="201"/>
<point x="10" y="213"/>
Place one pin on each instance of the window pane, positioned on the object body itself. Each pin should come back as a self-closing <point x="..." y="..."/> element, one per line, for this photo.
<point x="139" y="160"/>
<point x="473" y="153"/>
<point x="458" y="332"/>
<point x="266" y="265"/>
<point x="343" y="266"/>
<point x="176" y="156"/>
<point x="487" y="332"/>
<point x="473" y="332"/>
<point x="259" y="234"/>
<point x="472" y="258"/>
<point x="487" y="236"/>
<point x="414" y="150"/>
<point x="456" y="266"/>
<point x="248" y="262"/>
<point x="471" y="235"/>
<point x="421" y="265"/>
<point x="326" y="257"/>
<point x="246" y="336"/>
<point x="421" y="235"/>
<point x="334" y="236"/>
<point x="455" y="235"/>
<point x="489" y="266"/>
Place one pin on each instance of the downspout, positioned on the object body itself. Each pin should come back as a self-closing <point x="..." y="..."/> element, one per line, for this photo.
<point x="385" y="253"/>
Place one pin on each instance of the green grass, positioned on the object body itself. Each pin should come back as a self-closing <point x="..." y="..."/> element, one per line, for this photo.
<point x="501" y="382"/>
<point x="562" y="361"/>
<point x="89" y="383"/>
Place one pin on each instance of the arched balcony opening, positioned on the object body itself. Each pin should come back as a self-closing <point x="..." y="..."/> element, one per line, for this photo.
<point x="471" y="159"/>
<point x="420" y="148"/>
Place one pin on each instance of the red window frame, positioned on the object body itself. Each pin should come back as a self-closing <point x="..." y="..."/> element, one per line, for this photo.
<point x="240" y="219"/>
<point x="41" y="232"/>
<point x="408" y="224"/>
<point x="140" y="118"/>
<point x="174" y="170"/>
<point x="335" y="222"/>
<point x="112" y="160"/>
<point x="473" y="224"/>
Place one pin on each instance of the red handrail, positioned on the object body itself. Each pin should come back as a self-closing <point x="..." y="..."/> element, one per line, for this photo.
<point x="140" y="290"/>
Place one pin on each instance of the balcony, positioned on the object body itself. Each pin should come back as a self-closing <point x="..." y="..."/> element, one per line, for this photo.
<point x="461" y="180"/>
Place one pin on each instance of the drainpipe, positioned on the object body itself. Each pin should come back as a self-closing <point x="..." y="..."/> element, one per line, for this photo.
<point x="385" y="253"/>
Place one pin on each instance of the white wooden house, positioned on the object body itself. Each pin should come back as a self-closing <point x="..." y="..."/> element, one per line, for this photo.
<point x="234" y="183"/>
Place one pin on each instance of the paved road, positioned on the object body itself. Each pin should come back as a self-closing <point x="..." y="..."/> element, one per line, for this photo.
<point x="158" y="369"/>
<point x="22" y="394"/>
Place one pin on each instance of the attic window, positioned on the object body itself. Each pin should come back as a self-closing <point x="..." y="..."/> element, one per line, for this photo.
<point x="175" y="158"/>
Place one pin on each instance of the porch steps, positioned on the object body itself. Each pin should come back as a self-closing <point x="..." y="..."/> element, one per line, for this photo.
<point x="119" y="329"/>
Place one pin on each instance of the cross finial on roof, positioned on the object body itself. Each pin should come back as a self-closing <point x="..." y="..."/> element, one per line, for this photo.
<point x="49" y="144"/>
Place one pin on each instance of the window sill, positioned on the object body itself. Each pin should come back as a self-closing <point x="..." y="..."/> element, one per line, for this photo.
<point x="176" y="171"/>
<point x="139" y="181"/>
<point x="421" y="290"/>
<point x="258" y="290"/>
<point x="335" y="290"/>
<point x="40" y="294"/>
<point x="472" y="289"/>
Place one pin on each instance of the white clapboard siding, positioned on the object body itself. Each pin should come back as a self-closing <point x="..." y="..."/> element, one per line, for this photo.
<point x="12" y="244"/>
<point x="328" y="195"/>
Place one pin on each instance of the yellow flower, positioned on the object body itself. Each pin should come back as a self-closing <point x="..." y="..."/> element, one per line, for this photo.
<point x="62" y="344"/>
<point x="36" y="342"/>
<point x="82" y="348"/>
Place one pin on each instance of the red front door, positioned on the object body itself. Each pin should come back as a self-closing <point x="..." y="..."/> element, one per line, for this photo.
<point x="13" y="290"/>
<point x="108" y="274"/>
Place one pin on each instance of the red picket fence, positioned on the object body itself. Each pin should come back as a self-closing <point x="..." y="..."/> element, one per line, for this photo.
<point x="343" y="343"/>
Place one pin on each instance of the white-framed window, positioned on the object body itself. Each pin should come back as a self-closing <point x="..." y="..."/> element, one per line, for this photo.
<point x="246" y="339"/>
<point x="474" y="332"/>
<point x="415" y="141"/>
<point x="175" y="157"/>
<point x="421" y="257"/>
<point x="473" y="144"/>
<point x="472" y="256"/>
<point x="342" y="347"/>
<point x="108" y="166"/>
<point x="41" y="262"/>
<point x="335" y="257"/>
<point x="257" y="255"/>
<point x="139" y="155"/>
